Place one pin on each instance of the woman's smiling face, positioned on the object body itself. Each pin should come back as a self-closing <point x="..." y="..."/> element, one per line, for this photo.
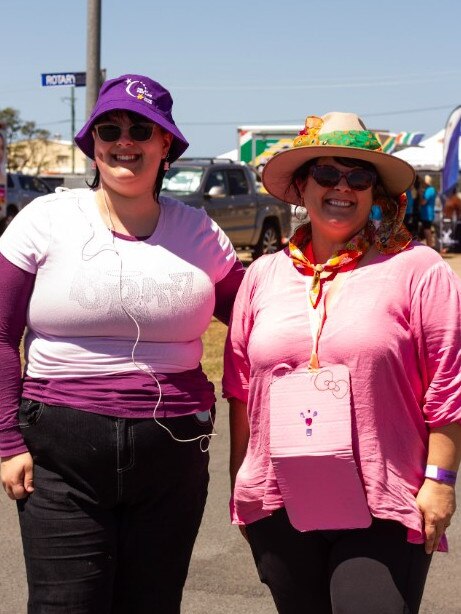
<point x="339" y="212"/>
<point x="126" y="165"/>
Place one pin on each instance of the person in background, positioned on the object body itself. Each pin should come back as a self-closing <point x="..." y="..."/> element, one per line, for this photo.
<point x="452" y="209"/>
<point x="427" y="209"/>
<point x="412" y="210"/>
<point x="104" y="443"/>
<point x="345" y="386"/>
<point x="376" y="215"/>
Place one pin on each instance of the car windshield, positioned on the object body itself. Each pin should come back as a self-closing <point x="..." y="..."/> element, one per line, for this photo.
<point x="183" y="179"/>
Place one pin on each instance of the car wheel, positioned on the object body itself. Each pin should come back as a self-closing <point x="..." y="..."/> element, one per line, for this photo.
<point x="269" y="241"/>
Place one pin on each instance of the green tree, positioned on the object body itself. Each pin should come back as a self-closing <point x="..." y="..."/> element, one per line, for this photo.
<point x="10" y="119"/>
<point x="27" y="144"/>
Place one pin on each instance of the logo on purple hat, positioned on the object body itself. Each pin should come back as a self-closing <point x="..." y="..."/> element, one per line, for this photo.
<point x="142" y="93"/>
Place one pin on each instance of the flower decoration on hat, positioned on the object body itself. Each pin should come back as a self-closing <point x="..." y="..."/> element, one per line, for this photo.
<point x="309" y="135"/>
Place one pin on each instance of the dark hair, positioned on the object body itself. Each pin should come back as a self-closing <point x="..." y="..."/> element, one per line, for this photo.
<point x="157" y="186"/>
<point x="135" y="118"/>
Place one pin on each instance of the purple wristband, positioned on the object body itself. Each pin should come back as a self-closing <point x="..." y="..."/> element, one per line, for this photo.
<point x="441" y="475"/>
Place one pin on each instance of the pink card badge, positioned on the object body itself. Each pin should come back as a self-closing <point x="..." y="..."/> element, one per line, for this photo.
<point x="311" y="450"/>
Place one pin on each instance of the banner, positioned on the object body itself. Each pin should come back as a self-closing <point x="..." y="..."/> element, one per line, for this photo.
<point x="401" y="140"/>
<point x="450" y="169"/>
<point x="410" y="139"/>
<point x="259" y="143"/>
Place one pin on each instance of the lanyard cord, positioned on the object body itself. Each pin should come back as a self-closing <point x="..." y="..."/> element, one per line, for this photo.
<point x="318" y="314"/>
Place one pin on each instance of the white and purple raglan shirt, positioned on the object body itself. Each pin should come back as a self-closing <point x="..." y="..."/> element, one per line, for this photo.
<point x="86" y="295"/>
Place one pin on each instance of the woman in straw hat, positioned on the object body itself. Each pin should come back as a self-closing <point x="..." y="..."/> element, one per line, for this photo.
<point x="107" y="453"/>
<point x="345" y="386"/>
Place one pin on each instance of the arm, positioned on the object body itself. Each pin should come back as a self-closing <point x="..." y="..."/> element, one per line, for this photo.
<point x="422" y="200"/>
<point x="226" y="269"/>
<point x="225" y="292"/>
<point x="16" y="463"/>
<point x="236" y="381"/>
<point x="239" y="436"/>
<point x="437" y="500"/>
<point x="426" y="194"/>
<point x="436" y="314"/>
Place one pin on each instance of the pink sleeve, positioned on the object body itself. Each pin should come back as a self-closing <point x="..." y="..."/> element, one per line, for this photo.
<point x="236" y="361"/>
<point x="16" y="287"/>
<point x="436" y="317"/>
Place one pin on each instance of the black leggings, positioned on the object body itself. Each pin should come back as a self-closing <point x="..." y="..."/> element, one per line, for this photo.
<point x="359" y="571"/>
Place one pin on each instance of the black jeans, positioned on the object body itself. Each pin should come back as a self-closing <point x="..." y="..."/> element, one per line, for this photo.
<point x="111" y="524"/>
<point x="359" y="571"/>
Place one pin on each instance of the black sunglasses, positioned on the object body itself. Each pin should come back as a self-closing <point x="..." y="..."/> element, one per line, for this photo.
<point x="111" y="132"/>
<point x="329" y="176"/>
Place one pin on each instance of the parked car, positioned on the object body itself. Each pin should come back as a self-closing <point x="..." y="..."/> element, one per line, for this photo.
<point x="233" y="196"/>
<point x="68" y="180"/>
<point x="21" y="190"/>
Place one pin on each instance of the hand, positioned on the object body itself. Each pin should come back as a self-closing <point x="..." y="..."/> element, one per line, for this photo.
<point x="243" y="531"/>
<point x="17" y="475"/>
<point x="437" y="502"/>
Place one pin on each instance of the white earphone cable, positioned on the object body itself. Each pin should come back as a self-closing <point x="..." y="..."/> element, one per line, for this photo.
<point x="203" y="439"/>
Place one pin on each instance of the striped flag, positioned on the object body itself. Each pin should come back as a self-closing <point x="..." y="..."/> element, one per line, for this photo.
<point x="450" y="170"/>
<point x="409" y="138"/>
<point x="388" y="144"/>
<point x="405" y="139"/>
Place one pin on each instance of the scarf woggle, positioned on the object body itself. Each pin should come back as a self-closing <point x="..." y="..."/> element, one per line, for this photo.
<point x="352" y="251"/>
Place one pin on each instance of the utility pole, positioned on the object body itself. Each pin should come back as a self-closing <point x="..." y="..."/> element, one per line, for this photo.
<point x="72" y="125"/>
<point x="93" y="57"/>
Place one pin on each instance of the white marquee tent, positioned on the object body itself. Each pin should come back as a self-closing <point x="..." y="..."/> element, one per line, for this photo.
<point x="428" y="155"/>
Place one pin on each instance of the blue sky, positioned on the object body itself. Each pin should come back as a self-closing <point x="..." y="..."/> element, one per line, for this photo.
<point x="395" y="62"/>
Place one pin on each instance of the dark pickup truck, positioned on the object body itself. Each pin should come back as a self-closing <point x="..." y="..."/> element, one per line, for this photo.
<point x="233" y="196"/>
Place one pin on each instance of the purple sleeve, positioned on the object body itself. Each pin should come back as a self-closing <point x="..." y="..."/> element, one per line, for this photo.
<point x="225" y="291"/>
<point x="16" y="288"/>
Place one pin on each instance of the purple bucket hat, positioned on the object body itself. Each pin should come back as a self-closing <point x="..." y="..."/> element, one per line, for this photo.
<point x="138" y="94"/>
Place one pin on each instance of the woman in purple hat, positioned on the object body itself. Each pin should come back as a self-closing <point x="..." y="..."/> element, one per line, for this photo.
<point x="104" y="442"/>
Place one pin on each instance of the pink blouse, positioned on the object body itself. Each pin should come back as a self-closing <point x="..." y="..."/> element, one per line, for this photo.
<point x="396" y="325"/>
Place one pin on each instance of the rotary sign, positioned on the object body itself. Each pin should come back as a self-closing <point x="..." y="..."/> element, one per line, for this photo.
<point x="77" y="79"/>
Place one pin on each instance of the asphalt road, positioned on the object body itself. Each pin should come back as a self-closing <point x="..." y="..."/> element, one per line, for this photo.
<point x="222" y="577"/>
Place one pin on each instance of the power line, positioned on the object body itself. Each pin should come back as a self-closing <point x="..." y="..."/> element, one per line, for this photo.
<point x="259" y="121"/>
<point x="297" y="120"/>
<point x="420" y="110"/>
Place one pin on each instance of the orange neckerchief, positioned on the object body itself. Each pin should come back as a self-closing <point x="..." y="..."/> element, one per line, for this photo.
<point x="344" y="259"/>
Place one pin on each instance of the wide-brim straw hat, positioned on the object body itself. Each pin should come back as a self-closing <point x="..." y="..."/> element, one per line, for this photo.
<point x="342" y="135"/>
